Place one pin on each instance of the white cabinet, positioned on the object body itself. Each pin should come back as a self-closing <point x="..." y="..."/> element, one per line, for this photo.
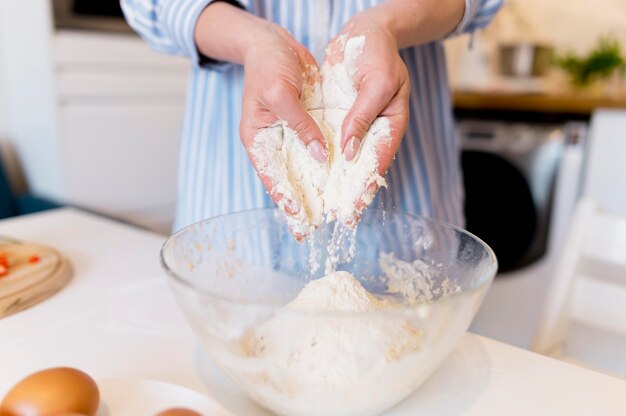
<point x="119" y="115"/>
<point x="94" y="117"/>
<point x="120" y="158"/>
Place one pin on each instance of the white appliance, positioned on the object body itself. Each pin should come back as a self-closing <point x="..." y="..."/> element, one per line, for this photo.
<point x="512" y="307"/>
<point x="509" y="173"/>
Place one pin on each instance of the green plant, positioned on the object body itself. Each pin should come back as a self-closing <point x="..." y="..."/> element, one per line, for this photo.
<point x="598" y="64"/>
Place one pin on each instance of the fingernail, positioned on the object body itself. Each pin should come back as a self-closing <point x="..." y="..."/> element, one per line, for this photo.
<point x="317" y="151"/>
<point x="352" y="148"/>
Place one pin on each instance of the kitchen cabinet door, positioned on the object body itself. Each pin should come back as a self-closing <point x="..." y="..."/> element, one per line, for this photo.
<point x="120" y="158"/>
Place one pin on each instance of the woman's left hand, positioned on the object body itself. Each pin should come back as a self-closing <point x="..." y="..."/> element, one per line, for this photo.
<point x="382" y="84"/>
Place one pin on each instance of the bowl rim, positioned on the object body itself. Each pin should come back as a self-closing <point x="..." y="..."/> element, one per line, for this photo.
<point x="241" y="302"/>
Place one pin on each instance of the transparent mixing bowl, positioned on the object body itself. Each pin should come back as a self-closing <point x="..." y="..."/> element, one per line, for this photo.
<point x="233" y="274"/>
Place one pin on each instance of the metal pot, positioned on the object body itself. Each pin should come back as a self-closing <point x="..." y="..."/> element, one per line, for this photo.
<point x="524" y="59"/>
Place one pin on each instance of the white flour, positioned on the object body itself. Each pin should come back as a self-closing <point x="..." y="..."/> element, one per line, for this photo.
<point x="329" y="362"/>
<point x="414" y="282"/>
<point x="327" y="191"/>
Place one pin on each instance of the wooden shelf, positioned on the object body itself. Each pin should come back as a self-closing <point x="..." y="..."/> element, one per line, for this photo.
<point x="563" y="103"/>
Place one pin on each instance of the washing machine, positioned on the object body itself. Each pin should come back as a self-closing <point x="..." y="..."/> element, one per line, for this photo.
<point x="509" y="171"/>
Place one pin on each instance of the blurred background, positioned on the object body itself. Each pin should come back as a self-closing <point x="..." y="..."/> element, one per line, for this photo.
<point x="90" y="117"/>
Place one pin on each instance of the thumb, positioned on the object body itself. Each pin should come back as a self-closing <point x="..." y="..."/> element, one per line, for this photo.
<point x="285" y="105"/>
<point x="370" y="102"/>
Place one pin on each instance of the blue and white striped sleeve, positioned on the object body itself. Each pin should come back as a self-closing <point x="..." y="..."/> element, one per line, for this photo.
<point x="166" y="25"/>
<point x="478" y="14"/>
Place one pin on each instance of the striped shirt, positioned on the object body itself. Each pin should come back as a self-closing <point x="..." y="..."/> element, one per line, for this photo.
<point x="215" y="175"/>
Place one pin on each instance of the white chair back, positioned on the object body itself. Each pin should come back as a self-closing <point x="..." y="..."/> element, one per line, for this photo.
<point x="605" y="177"/>
<point x="589" y="284"/>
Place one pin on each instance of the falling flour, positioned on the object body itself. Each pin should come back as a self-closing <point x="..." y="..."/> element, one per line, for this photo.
<point x="323" y="191"/>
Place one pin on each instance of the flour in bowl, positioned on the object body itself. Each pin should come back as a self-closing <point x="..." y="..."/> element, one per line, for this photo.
<point x="323" y="191"/>
<point x="325" y="349"/>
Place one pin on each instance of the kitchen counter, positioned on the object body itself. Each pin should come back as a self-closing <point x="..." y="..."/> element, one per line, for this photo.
<point x="534" y="102"/>
<point x="117" y="319"/>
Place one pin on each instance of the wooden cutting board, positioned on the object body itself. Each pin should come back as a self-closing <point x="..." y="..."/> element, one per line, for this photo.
<point x="34" y="274"/>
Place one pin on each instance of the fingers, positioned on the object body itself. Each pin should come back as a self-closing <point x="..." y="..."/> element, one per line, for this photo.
<point x="372" y="98"/>
<point x="291" y="206"/>
<point x="387" y="151"/>
<point x="262" y="153"/>
<point x="397" y="112"/>
<point x="283" y="101"/>
<point x="366" y="198"/>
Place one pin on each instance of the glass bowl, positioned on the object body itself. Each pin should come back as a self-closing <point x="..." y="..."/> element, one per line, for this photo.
<point x="232" y="275"/>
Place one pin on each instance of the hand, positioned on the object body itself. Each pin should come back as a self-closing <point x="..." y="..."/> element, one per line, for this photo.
<point x="276" y="70"/>
<point x="382" y="84"/>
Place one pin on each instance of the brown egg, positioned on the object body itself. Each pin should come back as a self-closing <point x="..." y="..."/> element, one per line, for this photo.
<point x="67" y="414"/>
<point x="55" y="391"/>
<point x="178" y="411"/>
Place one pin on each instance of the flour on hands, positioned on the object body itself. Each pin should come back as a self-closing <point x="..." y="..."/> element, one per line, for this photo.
<point x="340" y="189"/>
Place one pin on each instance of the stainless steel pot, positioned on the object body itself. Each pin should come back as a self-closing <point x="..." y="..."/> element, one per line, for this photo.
<point x="524" y="59"/>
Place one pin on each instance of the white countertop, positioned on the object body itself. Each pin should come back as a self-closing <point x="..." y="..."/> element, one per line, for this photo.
<point x="117" y="319"/>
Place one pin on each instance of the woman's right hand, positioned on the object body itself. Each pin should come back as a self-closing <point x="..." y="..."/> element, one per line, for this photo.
<point x="276" y="68"/>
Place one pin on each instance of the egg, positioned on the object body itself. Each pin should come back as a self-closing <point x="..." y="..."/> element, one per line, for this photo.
<point x="55" y="391"/>
<point x="178" y="411"/>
